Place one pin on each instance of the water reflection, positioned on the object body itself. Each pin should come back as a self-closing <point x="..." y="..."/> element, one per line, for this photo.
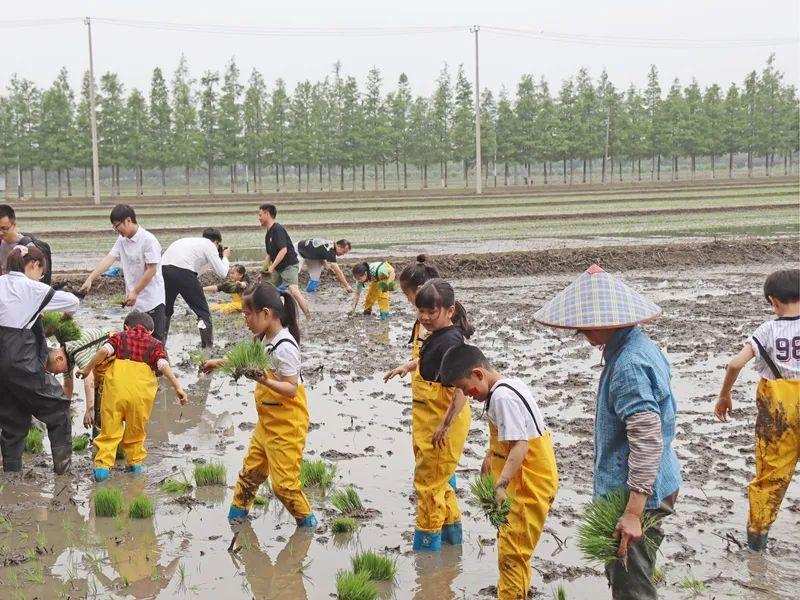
<point x="436" y="572"/>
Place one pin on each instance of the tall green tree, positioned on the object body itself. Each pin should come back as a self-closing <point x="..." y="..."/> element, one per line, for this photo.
<point x="545" y="127"/>
<point x="654" y="126"/>
<point x="24" y="100"/>
<point x="566" y="142"/>
<point x="751" y="131"/>
<point x="83" y="136"/>
<point x="693" y="128"/>
<point x="463" y="126"/>
<point x="399" y="132"/>
<point x="375" y="140"/>
<point x="278" y="128"/>
<point x="712" y="142"/>
<point x="733" y="124"/>
<point x="230" y="124"/>
<point x="525" y="110"/>
<point x="422" y="137"/>
<point x="159" y="127"/>
<point x="111" y="127"/>
<point x="441" y="121"/>
<point x="768" y="115"/>
<point x="8" y="158"/>
<point x="137" y="129"/>
<point x="351" y="150"/>
<point x="506" y="128"/>
<point x="186" y="134"/>
<point x="208" y="118"/>
<point x="489" y="133"/>
<point x="301" y="131"/>
<point x="633" y="129"/>
<point x="57" y="132"/>
<point x="591" y="125"/>
<point x="674" y="114"/>
<point x="254" y="114"/>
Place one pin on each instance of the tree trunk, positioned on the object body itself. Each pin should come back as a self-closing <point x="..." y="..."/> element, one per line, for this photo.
<point x="584" y="171"/>
<point x="730" y="165"/>
<point x="363" y="177"/>
<point x="749" y="163"/>
<point x="232" y="177"/>
<point x="375" y="173"/>
<point x="785" y="166"/>
<point x="299" y="178"/>
<point x="505" y="174"/>
<point x="33" y="187"/>
<point x="766" y="166"/>
<point x="405" y="175"/>
<point x="571" y="171"/>
<point x="693" y="166"/>
<point x="277" y="178"/>
<point x="564" y="169"/>
<point x="353" y="167"/>
<point x="640" y="169"/>
<point x="445" y="173"/>
<point x="46" y="186"/>
<point x="544" y="169"/>
<point x="85" y="182"/>
<point x="7" y="188"/>
<point x="341" y="177"/>
<point x="466" y="175"/>
<point x="658" y="169"/>
<point x="163" y="181"/>
<point x="60" y="184"/>
<point x="425" y="175"/>
<point x="397" y="172"/>
<point x="210" y="179"/>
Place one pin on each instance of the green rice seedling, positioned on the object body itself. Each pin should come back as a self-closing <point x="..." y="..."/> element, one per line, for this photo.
<point x="693" y="585"/>
<point x="596" y="531"/>
<point x="176" y="486"/>
<point x="213" y="473"/>
<point x="560" y="593"/>
<point x="61" y="327"/>
<point x="344" y="525"/>
<point x="316" y="473"/>
<point x="355" y="586"/>
<point x="347" y="501"/>
<point x="117" y="300"/>
<point x="198" y="357"/>
<point x="141" y="507"/>
<point x="80" y="442"/>
<point x="246" y="358"/>
<point x="482" y="488"/>
<point x="107" y="502"/>
<point x="659" y="576"/>
<point x="377" y="566"/>
<point x="33" y="441"/>
<point x="260" y="500"/>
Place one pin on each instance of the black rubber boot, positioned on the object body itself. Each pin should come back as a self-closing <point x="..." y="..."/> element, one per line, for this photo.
<point x="62" y="459"/>
<point x="757" y="541"/>
<point x="206" y="336"/>
<point x="368" y="312"/>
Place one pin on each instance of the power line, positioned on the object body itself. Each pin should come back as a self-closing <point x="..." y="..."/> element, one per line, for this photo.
<point x="23" y="23"/>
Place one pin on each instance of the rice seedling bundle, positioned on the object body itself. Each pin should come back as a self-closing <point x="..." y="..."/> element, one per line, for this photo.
<point x="213" y="473"/>
<point x="176" y="486"/>
<point x="316" y="473"/>
<point x="482" y="488"/>
<point x="344" y="525"/>
<point x="596" y="531"/>
<point x="60" y="326"/>
<point x="377" y="566"/>
<point x="34" y="441"/>
<point x="80" y="442"/>
<point x="347" y="501"/>
<point x="117" y="300"/>
<point x="141" y="507"/>
<point x="107" y="502"/>
<point x="355" y="586"/>
<point x="246" y="358"/>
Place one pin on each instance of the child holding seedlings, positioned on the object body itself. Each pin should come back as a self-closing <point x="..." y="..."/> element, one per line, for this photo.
<point x="440" y="415"/>
<point x="380" y="276"/>
<point x="235" y="284"/>
<point x="520" y="457"/>
<point x="129" y="390"/>
<point x="776" y="347"/>
<point x="276" y="448"/>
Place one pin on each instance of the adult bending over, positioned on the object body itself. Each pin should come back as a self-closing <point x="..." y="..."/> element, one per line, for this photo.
<point x="319" y="254"/>
<point x="140" y="254"/>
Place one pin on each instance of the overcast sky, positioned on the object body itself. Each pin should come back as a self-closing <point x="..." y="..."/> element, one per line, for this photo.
<point x="39" y="53"/>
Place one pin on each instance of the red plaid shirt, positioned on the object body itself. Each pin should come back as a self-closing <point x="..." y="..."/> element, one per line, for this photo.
<point x="139" y="345"/>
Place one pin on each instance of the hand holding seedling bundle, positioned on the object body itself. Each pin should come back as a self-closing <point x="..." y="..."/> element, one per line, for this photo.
<point x="493" y="500"/>
<point x="249" y="359"/>
<point x="60" y="326"/>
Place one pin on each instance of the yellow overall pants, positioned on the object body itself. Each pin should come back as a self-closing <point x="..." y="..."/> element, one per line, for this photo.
<point x="276" y="450"/>
<point x="378" y="291"/>
<point x="532" y="491"/>
<point x="437" y="504"/>
<point x="777" y="449"/>
<point x="129" y="390"/>
<point x="227" y="308"/>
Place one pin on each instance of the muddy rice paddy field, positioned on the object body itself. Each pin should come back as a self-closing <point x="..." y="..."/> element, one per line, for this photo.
<point x="53" y="546"/>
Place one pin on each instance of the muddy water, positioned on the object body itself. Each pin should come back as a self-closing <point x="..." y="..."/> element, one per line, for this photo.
<point x="363" y="426"/>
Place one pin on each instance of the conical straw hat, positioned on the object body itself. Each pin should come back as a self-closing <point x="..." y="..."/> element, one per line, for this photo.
<point x="597" y="300"/>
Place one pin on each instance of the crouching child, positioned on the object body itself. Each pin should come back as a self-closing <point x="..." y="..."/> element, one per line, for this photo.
<point x="520" y="457"/>
<point x="129" y="390"/>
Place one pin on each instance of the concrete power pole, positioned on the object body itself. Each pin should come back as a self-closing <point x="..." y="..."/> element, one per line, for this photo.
<point x="478" y="167"/>
<point x="93" y="118"/>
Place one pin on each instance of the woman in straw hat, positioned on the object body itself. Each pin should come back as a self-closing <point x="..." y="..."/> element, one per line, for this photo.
<point x="635" y="415"/>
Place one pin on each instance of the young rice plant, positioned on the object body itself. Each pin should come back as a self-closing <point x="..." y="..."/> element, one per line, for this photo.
<point x="107" y="502"/>
<point x="62" y="327"/>
<point x="33" y="441"/>
<point x="377" y="566"/>
<point x="347" y="501"/>
<point x="596" y="530"/>
<point x="141" y="508"/>
<point x="80" y="442"/>
<point x="246" y="358"/>
<point x="213" y="473"/>
<point x="482" y="488"/>
<point x="355" y="586"/>
<point x="176" y="486"/>
<point x="344" y="525"/>
<point x="316" y="473"/>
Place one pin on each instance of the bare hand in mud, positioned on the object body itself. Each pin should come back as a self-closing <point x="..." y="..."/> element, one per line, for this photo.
<point x="88" y="418"/>
<point x="181" y="396"/>
<point x="130" y="298"/>
<point x="84" y="289"/>
<point x="628" y="531"/>
<point x="399" y="371"/>
<point x="486" y="465"/>
<point x="440" y="435"/>
<point x="210" y="365"/>
<point x="723" y="407"/>
<point x="500" y="495"/>
<point x="254" y="374"/>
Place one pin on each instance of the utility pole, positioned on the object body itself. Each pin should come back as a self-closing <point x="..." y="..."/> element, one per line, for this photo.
<point x="93" y="118"/>
<point x="478" y="167"/>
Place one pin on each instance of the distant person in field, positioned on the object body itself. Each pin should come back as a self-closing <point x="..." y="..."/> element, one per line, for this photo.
<point x="776" y="347"/>
<point x="378" y="279"/>
<point x="319" y="254"/>
<point x="140" y="254"/>
<point x="635" y="418"/>
<point x="235" y="284"/>
<point x="184" y="260"/>
<point x="283" y="266"/>
<point x="11" y="237"/>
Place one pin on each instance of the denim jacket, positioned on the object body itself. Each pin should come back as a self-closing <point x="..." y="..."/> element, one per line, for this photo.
<point x="636" y="378"/>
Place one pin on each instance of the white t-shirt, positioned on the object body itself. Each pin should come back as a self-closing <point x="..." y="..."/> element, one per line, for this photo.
<point x="195" y="254"/>
<point x="135" y="254"/>
<point x="514" y="411"/>
<point x="20" y="296"/>
<point x="285" y="353"/>
<point x="781" y="340"/>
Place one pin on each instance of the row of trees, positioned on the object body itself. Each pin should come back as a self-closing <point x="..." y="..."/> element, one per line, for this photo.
<point x="323" y="129"/>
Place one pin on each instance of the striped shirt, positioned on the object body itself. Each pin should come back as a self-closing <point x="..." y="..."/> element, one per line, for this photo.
<point x="512" y="408"/>
<point x="82" y="357"/>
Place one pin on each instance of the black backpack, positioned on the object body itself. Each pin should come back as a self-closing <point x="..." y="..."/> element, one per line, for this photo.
<point x="44" y="247"/>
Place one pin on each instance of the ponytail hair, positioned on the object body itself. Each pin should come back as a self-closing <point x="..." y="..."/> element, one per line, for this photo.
<point x="437" y="293"/>
<point x="414" y="276"/>
<point x="266" y="296"/>
<point x="360" y="269"/>
<point x="21" y="256"/>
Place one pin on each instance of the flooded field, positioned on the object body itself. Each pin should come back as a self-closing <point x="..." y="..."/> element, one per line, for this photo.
<point x="53" y="546"/>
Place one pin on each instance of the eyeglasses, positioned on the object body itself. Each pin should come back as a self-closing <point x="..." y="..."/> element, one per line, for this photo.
<point x="116" y="226"/>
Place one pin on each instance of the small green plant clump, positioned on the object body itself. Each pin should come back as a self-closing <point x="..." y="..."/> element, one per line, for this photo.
<point x="117" y="300"/>
<point x="347" y="501"/>
<point x="61" y="327"/>
<point x="559" y="593"/>
<point x="482" y="488"/>
<point x="176" y="486"/>
<point x="34" y="441"/>
<point x="213" y="473"/>
<point x="316" y="473"/>
<point x="141" y="507"/>
<point x="377" y="566"/>
<point x="107" y="502"/>
<point x="198" y="357"/>
<point x="80" y="442"/>
<point x="246" y="358"/>
<point x="344" y="525"/>
<point x="596" y="531"/>
<point x="659" y="576"/>
<point x="693" y="585"/>
<point x="355" y="586"/>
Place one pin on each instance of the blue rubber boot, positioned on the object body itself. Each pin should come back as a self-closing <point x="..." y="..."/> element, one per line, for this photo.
<point x="237" y="514"/>
<point x="135" y="469"/>
<point x="113" y="272"/>
<point x="309" y="521"/>
<point x="101" y="474"/>
<point x="425" y="541"/>
<point x="384" y="316"/>
<point x="313" y="286"/>
<point x="452" y="482"/>
<point x="453" y="534"/>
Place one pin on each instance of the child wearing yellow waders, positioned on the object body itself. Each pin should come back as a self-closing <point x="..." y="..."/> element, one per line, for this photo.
<point x="279" y="438"/>
<point x="520" y="456"/>
<point x="440" y="417"/>
<point x="776" y="347"/>
<point x="235" y="284"/>
<point x="129" y="390"/>
<point x="380" y="276"/>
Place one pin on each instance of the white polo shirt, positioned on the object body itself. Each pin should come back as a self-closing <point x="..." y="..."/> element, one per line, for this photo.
<point x="513" y="410"/>
<point x="20" y="296"/>
<point x="780" y="338"/>
<point x="195" y="254"/>
<point x="135" y="254"/>
<point x="285" y="353"/>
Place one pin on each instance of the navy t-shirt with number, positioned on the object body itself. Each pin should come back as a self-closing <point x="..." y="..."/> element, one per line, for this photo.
<point x="276" y="239"/>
